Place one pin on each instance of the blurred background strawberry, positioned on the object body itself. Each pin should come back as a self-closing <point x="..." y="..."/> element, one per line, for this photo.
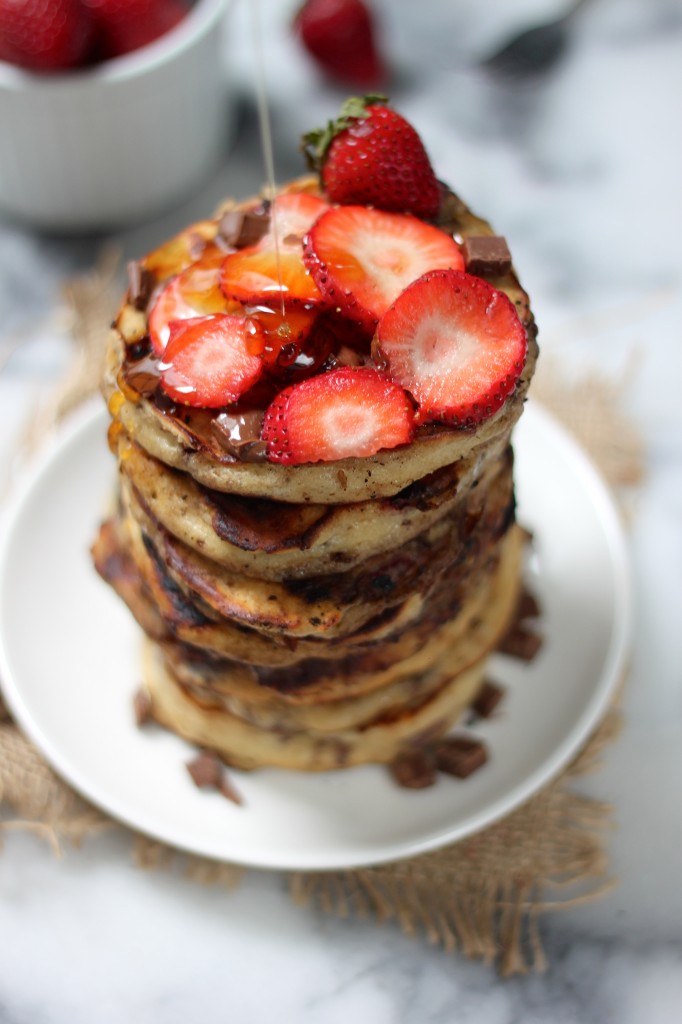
<point x="57" y="35"/>
<point x="123" y="26"/>
<point x="44" y="35"/>
<point x="342" y="38"/>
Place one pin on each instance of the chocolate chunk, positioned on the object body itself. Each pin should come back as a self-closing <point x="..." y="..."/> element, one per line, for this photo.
<point x="140" y="284"/>
<point x="228" y="790"/>
<point x="253" y="451"/>
<point x="520" y="643"/>
<point x="413" y="769"/>
<point x="206" y="770"/>
<point x="240" y="427"/>
<point x="486" y="255"/>
<point x="460" y="756"/>
<point x="528" y="607"/>
<point x="4" y="713"/>
<point x="239" y="228"/>
<point x="487" y="698"/>
<point x="240" y="435"/>
<point x="142" y="706"/>
<point x="197" y="245"/>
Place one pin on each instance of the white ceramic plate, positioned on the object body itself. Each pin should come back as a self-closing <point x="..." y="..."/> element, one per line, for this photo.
<point x="69" y="664"/>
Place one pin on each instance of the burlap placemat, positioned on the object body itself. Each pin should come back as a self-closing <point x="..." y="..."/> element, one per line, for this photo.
<point x="481" y="896"/>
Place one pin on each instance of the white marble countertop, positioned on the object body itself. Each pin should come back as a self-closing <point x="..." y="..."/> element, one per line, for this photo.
<point x="582" y="174"/>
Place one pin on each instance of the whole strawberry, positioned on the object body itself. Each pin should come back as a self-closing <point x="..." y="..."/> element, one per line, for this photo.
<point x="44" y="35"/>
<point x="127" y="25"/>
<point x="341" y="38"/>
<point x="372" y="156"/>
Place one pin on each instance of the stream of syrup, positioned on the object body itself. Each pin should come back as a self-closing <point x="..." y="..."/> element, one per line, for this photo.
<point x="265" y="130"/>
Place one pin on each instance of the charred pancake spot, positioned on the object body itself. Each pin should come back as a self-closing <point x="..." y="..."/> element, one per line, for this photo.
<point x="111" y="562"/>
<point x="429" y="491"/>
<point x="259" y="524"/>
<point x="383" y="583"/>
<point x="313" y="590"/>
<point x="186" y="612"/>
<point x="508" y="518"/>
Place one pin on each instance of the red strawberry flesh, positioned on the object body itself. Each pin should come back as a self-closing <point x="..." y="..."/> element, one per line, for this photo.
<point x="362" y="259"/>
<point x="282" y="332"/>
<point x="456" y="344"/>
<point x="350" y="412"/>
<point x="210" y="361"/>
<point x="193" y="293"/>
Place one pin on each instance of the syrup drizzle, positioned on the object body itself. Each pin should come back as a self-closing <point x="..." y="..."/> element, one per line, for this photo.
<point x="265" y="131"/>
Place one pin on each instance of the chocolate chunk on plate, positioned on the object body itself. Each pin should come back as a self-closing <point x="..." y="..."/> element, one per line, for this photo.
<point x="460" y="756"/>
<point x="520" y="643"/>
<point x="413" y="769"/>
<point x="528" y="607"/>
<point x="206" y="770"/>
<point x="487" y="698"/>
<point x="4" y="713"/>
<point x="142" y="706"/>
<point x="229" y="791"/>
<point x="486" y="255"/>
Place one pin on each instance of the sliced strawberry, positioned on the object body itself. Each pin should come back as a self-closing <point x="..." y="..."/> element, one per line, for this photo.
<point x="338" y="415"/>
<point x="210" y="361"/>
<point x="456" y="344"/>
<point x="293" y="214"/>
<point x="194" y="293"/>
<point x="181" y="251"/>
<point x="362" y="259"/>
<point x="274" y="268"/>
<point x="254" y="275"/>
<point x="284" y="333"/>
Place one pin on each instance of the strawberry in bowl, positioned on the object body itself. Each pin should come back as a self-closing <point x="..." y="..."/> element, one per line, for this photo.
<point x="49" y="36"/>
<point x="93" y="96"/>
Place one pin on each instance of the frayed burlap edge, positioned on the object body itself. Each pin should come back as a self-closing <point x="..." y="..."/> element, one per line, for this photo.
<point x="482" y="896"/>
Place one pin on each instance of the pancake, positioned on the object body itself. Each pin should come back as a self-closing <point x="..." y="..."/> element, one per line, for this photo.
<point x="316" y="615"/>
<point x="473" y="632"/>
<point x="386" y="726"/>
<point x="274" y="539"/>
<point x="246" y="746"/>
<point x="335" y="605"/>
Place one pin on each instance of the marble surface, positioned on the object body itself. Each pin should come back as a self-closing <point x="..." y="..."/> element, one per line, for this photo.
<point x="581" y="172"/>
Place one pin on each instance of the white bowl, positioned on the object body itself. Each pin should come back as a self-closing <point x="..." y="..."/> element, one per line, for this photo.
<point x="119" y="141"/>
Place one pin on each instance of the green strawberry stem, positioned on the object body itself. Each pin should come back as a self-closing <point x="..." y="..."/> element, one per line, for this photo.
<point x="314" y="144"/>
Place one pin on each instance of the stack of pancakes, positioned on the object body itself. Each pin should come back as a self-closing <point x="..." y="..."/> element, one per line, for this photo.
<point x="311" y="616"/>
